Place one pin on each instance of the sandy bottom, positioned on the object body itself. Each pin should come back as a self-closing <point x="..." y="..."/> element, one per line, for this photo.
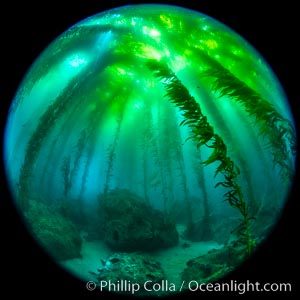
<point x="173" y="260"/>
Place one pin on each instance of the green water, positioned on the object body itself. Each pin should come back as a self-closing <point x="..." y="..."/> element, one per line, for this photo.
<point x="149" y="112"/>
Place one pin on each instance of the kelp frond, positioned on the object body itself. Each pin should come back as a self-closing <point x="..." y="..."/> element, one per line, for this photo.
<point x="277" y="130"/>
<point x="202" y="133"/>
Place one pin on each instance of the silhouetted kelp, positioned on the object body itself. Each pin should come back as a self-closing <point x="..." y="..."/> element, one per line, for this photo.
<point x="202" y="133"/>
<point x="278" y="131"/>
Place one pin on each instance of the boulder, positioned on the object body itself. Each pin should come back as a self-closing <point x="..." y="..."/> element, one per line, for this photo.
<point x="124" y="269"/>
<point x="213" y="265"/>
<point x="130" y="224"/>
<point x="54" y="232"/>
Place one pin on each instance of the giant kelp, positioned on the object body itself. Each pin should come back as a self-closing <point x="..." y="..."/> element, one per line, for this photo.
<point x="277" y="130"/>
<point x="112" y="153"/>
<point x="92" y="130"/>
<point x="36" y="140"/>
<point x="73" y="95"/>
<point x="202" y="133"/>
<point x="199" y="172"/>
<point x="173" y="161"/>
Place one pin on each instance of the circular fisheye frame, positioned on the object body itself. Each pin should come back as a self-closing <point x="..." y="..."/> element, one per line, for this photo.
<point x="150" y="149"/>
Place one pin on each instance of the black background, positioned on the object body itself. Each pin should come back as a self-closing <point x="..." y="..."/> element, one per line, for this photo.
<point x="28" y="27"/>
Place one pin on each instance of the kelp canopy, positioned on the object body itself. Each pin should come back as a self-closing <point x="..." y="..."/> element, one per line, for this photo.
<point x="133" y="98"/>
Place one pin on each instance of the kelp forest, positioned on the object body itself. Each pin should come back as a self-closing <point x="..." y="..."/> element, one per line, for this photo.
<point x="149" y="129"/>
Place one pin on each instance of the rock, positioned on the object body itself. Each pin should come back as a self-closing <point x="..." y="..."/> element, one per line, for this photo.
<point x="204" y="272"/>
<point x="124" y="269"/>
<point x="54" y="232"/>
<point x="130" y="224"/>
<point x="213" y="265"/>
<point x="86" y="217"/>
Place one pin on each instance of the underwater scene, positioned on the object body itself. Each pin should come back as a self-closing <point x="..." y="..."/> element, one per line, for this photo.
<point x="150" y="146"/>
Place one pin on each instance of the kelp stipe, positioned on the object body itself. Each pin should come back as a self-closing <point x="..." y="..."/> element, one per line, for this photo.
<point x="202" y="133"/>
<point x="273" y="127"/>
<point x="112" y="153"/>
<point x="46" y="123"/>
